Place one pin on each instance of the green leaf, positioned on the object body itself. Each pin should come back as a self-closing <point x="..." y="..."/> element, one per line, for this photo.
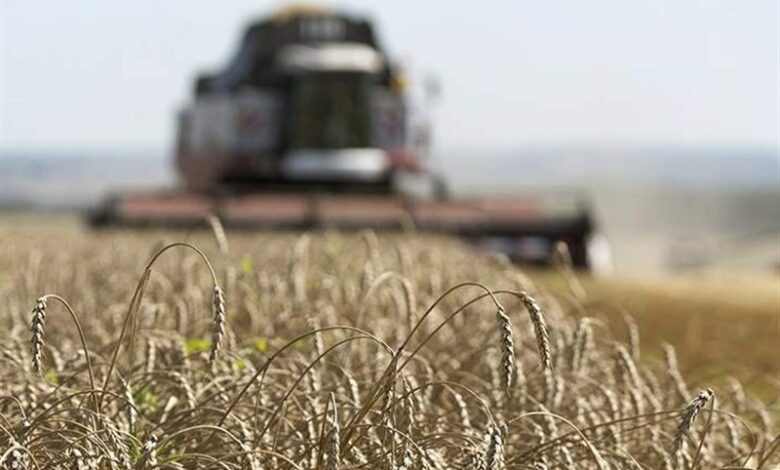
<point x="52" y="377"/>
<point x="245" y="265"/>
<point x="261" y="344"/>
<point x="192" y="345"/>
<point x="145" y="399"/>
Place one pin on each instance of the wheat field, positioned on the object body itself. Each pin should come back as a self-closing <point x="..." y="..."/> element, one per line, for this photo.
<point x="196" y="350"/>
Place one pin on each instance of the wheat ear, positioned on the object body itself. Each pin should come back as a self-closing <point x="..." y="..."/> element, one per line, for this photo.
<point x="507" y="348"/>
<point x="217" y="325"/>
<point x="333" y="441"/>
<point x="37" y="329"/>
<point x="494" y="450"/>
<point x="148" y="459"/>
<point x="689" y="416"/>
<point x="540" y="329"/>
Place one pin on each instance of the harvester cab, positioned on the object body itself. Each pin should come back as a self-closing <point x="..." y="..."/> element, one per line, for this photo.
<point x="310" y="97"/>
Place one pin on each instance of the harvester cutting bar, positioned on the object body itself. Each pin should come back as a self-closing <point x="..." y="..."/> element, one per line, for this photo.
<point x="521" y="228"/>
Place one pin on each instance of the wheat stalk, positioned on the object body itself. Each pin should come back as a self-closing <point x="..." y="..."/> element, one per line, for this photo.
<point x="184" y="385"/>
<point x="673" y="371"/>
<point x="625" y="368"/>
<point x="150" y="356"/>
<point x="119" y="449"/>
<point x="463" y="410"/>
<point x="632" y="333"/>
<point x="581" y="345"/>
<point x="600" y="407"/>
<point x="561" y="259"/>
<point x="127" y="394"/>
<point x="219" y="233"/>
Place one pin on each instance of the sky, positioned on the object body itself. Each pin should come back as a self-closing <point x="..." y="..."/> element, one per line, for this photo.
<point x="92" y="74"/>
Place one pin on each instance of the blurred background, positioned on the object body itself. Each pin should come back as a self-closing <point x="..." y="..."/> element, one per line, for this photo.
<point x="665" y="114"/>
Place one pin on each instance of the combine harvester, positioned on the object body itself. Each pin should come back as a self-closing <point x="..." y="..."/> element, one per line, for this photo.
<point x="309" y="127"/>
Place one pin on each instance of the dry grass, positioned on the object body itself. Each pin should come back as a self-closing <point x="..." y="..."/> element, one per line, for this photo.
<point x="333" y="351"/>
<point x="719" y="324"/>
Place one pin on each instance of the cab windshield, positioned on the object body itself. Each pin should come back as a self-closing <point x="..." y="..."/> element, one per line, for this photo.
<point x="330" y="111"/>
